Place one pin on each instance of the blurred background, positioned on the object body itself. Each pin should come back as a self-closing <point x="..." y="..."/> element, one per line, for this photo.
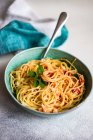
<point x="54" y="7"/>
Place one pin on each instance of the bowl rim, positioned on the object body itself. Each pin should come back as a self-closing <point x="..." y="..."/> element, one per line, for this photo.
<point x="35" y="111"/>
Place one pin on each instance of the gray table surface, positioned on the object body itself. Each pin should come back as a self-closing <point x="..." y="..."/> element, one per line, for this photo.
<point x="17" y="124"/>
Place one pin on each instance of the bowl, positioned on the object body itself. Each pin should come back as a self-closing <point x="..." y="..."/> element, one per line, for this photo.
<point x="35" y="53"/>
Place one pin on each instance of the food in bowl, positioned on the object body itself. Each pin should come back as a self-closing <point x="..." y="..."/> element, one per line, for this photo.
<point x="48" y="85"/>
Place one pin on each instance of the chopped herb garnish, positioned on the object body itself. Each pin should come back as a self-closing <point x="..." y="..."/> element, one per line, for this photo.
<point x="42" y="83"/>
<point x="40" y="70"/>
<point x="31" y="73"/>
<point x="38" y="81"/>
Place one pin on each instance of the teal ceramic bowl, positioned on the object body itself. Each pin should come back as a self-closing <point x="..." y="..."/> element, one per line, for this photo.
<point x="35" y="53"/>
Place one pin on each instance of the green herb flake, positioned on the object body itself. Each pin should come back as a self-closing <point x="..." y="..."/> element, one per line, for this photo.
<point x="42" y="83"/>
<point x="36" y="82"/>
<point x="31" y="73"/>
<point x="37" y="77"/>
<point x="40" y="70"/>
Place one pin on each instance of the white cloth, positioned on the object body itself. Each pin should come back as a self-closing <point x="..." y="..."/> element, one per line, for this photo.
<point x="27" y="14"/>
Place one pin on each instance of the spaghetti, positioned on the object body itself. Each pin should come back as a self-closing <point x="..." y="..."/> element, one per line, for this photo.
<point x="48" y="85"/>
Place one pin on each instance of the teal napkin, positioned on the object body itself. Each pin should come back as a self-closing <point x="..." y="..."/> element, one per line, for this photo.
<point x="18" y="35"/>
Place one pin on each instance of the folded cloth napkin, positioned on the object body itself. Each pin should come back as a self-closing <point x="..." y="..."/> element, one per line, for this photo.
<point x="18" y="35"/>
